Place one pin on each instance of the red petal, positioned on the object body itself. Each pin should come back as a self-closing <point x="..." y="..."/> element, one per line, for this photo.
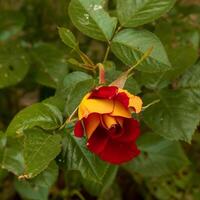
<point x="117" y="153"/>
<point x="78" y="129"/>
<point x="123" y="98"/>
<point x="131" y="131"/>
<point x="113" y="149"/>
<point x="98" y="140"/>
<point x="104" y="92"/>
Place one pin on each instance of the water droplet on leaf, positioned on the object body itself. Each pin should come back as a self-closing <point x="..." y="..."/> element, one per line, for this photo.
<point x="97" y="7"/>
<point x="85" y="20"/>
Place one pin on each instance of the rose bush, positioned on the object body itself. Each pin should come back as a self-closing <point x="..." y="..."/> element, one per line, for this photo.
<point x="105" y="118"/>
<point x="50" y="55"/>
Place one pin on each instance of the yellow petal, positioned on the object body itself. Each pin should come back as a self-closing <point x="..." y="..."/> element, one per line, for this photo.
<point x="101" y="106"/>
<point x="109" y="121"/>
<point x="136" y="103"/>
<point x="82" y="111"/>
<point x="120" y="110"/>
<point x="91" y="123"/>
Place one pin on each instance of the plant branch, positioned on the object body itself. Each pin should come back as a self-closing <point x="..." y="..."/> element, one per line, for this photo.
<point x="69" y="119"/>
<point x="150" y="104"/>
<point x="106" y="54"/>
<point x="145" y="55"/>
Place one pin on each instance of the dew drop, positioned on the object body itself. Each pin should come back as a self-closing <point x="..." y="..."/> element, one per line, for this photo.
<point x="85" y="20"/>
<point x="97" y="7"/>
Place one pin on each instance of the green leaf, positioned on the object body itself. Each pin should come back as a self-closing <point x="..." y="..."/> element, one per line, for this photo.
<point x="175" y="117"/>
<point x="91" y="19"/>
<point x="38" y="187"/>
<point x="190" y="82"/>
<point x="72" y="90"/>
<point x="2" y="144"/>
<point x="158" y="157"/>
<point x="129" y="46"/>
<point x="50" y="64"/>
<point x="40" y="148"/>
<point x="57" y="101"/>
<point x="132" y="86"/>
<point x="76" y="95"/>
<point x="132" y="13"/>
<point x="181" y="58"/>
<point x="70" y="81"/>
<point x="67" y="37"/>
<point x="78" y="157"/>
<point x="164" y="31"/>
<point x="42" y="115"/>
<point x="114" y="192"/>
<point x="13" y="64"/>
<point x="13" y="159"/>
<point x="11" y="23"/>
<point x="95" y="188"/>
<point x="29" y="155"/>
<point x="182" y="51"/>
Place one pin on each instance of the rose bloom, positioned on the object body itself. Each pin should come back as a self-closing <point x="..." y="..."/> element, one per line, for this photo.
<point x="105" y="118"/>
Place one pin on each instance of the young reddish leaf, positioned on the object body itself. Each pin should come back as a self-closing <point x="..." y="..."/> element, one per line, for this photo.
<point x="101" y="74"/>
<point x="121" y="80"/>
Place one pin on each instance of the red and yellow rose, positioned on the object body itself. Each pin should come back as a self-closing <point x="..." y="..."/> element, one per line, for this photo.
<point x="105" y="118"/>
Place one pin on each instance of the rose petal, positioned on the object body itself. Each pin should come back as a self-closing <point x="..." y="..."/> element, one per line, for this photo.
<point x="120" y="120"/>
<point x="136" y="103"/>
<point x="116" y="152"/>
<point x="78" y="129"/>
<point x="120" y="110"/>
<point x="131" y="131"/>
<point x="109" y="121"/>
<point x="91" y="123"/>
<point x="104" y="92"/>
<point x="101" y="106"/>
<point x="111" y="150"/>
<point x="98" y="140"/>
<point x="123" y="98"/>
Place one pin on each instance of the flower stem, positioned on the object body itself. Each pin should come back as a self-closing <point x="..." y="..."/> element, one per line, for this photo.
<point x="69" y="119"/>
<point x="150" y="104"/>
<point x="78" y="194"/>
<point x="106" y="54"/>
<point x="145" y="55"/>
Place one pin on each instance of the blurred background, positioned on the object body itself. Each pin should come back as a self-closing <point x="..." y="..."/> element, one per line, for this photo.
<point x="28" y="30"/>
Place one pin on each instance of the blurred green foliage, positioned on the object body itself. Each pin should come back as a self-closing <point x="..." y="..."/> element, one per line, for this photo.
<point x="39" y="161"/>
